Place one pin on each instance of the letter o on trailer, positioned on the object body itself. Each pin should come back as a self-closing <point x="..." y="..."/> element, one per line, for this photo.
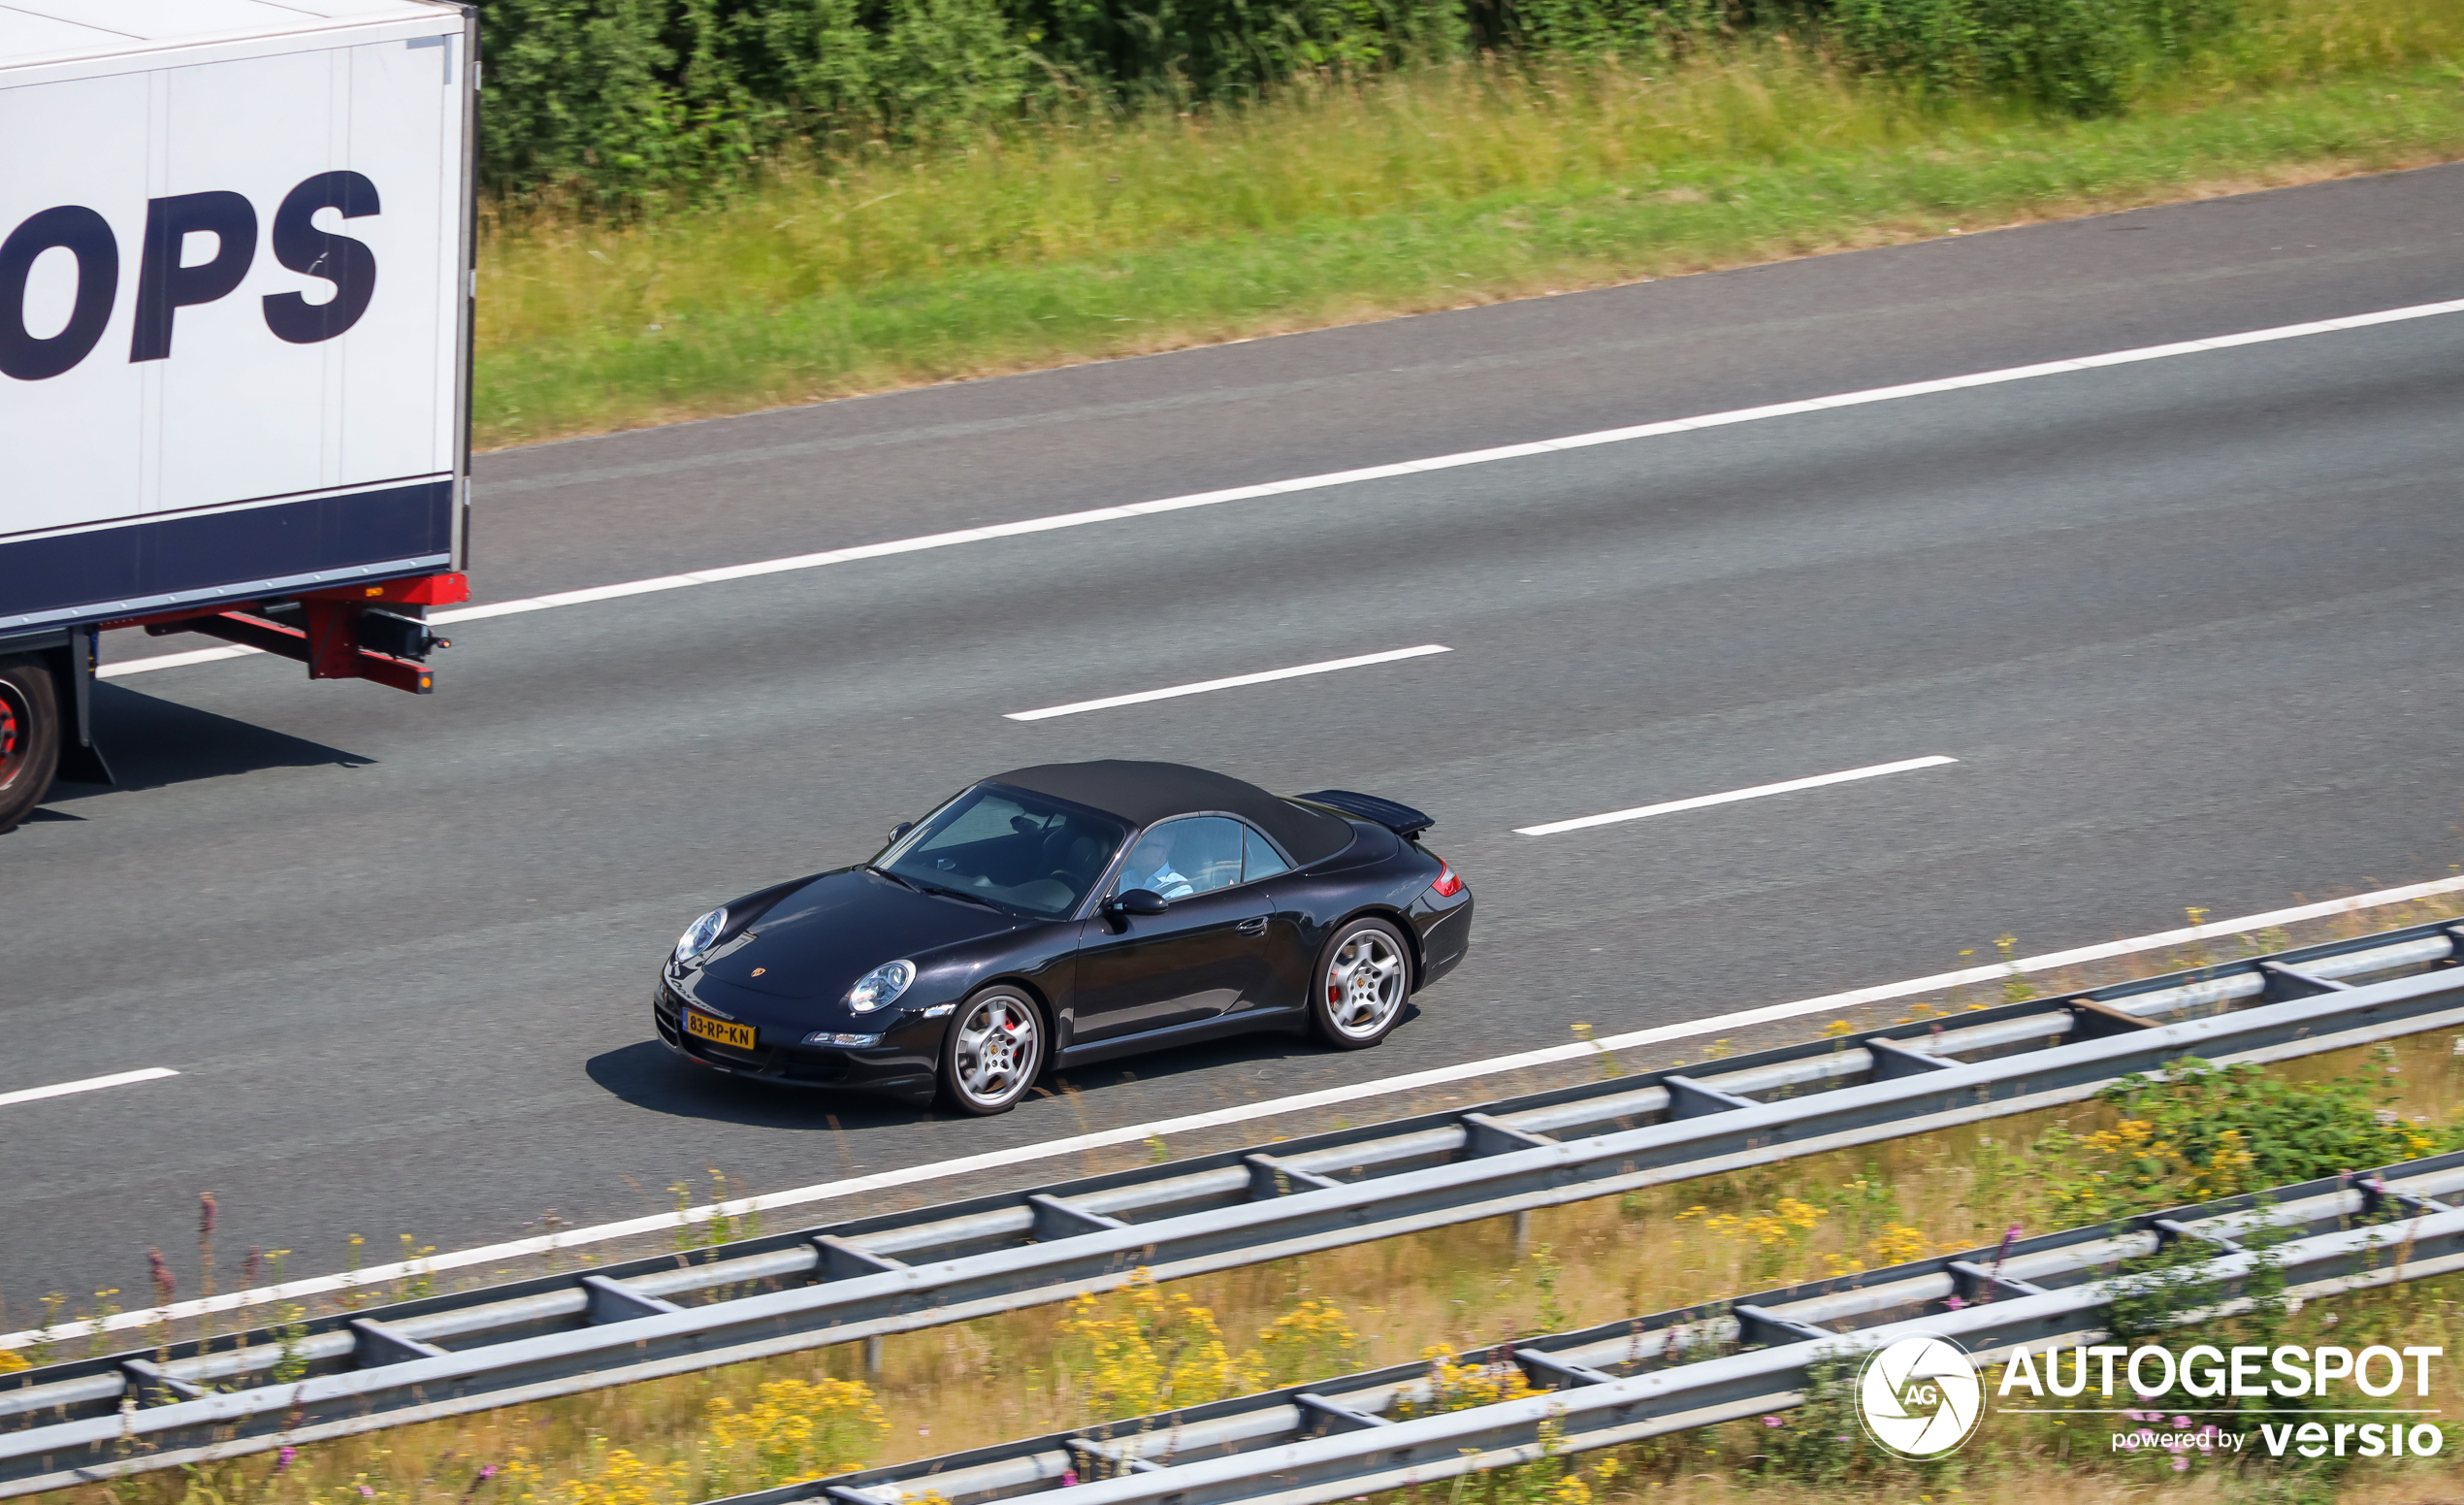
<point x="235" y="282"/>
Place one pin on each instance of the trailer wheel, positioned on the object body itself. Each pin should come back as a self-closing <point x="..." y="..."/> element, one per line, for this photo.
<point x="29" y="737"/>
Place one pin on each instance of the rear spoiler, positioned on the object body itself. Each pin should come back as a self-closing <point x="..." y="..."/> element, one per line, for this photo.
<point x="1401" y="819"/>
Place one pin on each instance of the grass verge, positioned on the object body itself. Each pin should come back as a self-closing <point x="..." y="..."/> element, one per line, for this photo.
<point x="1406" y="193"/>
<point x="693" y="1437"/>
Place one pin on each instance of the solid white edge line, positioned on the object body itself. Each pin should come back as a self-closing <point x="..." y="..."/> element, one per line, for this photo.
<point x="172" y="661"/>
<point x="1700" y="801"/>
<point x="1333" y="479"/>
<point x="1327" y="667"/>
<point x="1138" y="1133"/>
<point x="90" y="1084"/>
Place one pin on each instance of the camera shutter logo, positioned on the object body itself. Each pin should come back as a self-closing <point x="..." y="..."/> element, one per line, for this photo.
<point x="1920" y="1398"/>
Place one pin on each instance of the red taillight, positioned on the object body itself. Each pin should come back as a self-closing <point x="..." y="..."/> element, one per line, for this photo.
<point x="1447" y="884"/>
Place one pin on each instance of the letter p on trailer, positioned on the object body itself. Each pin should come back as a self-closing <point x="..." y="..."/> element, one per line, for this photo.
<point x="235" y="269"/>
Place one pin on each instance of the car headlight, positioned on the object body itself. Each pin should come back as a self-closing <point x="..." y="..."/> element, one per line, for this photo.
<point x="840" y="1037"/>
<point x="698" y="935"/>
<point x="882" y="985"/>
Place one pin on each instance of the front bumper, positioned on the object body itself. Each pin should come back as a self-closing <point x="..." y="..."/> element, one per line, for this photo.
<point x="903" y="1066"/>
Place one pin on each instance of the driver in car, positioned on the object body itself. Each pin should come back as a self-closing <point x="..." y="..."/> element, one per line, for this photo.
<point x="1151" y="868"/>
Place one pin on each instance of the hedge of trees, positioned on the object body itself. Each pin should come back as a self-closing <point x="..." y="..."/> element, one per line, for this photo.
<point x="613" y="97"/>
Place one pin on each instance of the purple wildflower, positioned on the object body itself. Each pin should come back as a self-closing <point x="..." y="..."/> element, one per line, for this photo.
<point x="165" y="1286"/>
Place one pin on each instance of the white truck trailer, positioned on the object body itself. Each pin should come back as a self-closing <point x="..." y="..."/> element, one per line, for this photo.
<point x="235" y="330"/>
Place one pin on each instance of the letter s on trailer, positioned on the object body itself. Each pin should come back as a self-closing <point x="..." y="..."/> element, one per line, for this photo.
<point x="234" y="332"/>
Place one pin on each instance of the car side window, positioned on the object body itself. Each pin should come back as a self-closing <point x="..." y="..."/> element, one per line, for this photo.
<point x="1260" y="859"/>
<point x="1195" y="855"/>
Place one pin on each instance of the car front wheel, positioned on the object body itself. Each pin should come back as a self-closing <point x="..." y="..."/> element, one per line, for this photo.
<point x="995" y="1048"/>
<point x="1364" y="975"/>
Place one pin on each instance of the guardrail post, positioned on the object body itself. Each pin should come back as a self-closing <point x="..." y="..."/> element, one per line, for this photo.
<point x="1756" y="1326"/>
<point x="2091" y="1019"/>
<point x="1058" y="1218"/>
<point x="1270" y="1177"/>
<point x="1558" y="1373"/>
<point x="1690" y="1099"/>
<point x="378" y="1344"/>
<point x="2284" y="984"/>
<point x="611" y="1302"/>
<point x="1971" y="1283"/>
<point x="1893" y="1059"/>
<point x="2169" y="1230"/>
<point x="843" y="1260"/>
<point x="1116" y="1461"/>
<point x="1320" y="1415"/>
<point x="2375" y="1194"/>
<point x="153" y="1387"/>
<point x="1485" y="1136"/>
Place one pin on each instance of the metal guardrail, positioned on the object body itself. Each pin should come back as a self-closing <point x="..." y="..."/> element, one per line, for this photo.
<point x="1624" y="1381"/>
<point x="444" y="1355"/>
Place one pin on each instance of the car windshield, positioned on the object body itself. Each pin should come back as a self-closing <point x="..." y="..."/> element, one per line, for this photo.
<point x="1008" y="848"/>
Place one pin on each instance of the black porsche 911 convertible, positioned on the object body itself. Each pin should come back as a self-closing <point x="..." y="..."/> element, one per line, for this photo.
<point x="1059" y="915"/>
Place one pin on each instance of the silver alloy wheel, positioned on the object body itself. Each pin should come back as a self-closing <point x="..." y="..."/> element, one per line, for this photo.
<point x="997" y="1050"/>
<point x="1365" y="984"/>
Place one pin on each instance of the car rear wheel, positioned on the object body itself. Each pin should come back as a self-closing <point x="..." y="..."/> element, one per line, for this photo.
<point x="29" y="737"/>
<point x="1364" y="975"/>
<point x="992" y="1052"/>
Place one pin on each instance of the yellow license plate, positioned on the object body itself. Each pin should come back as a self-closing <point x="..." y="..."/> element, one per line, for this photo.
<point x="738" y="1035"/>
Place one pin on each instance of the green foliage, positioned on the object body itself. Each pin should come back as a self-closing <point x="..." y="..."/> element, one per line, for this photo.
<point x="1651" y="32"/>
<point x="1819" y="1442"/>
<point x="2203" y="1132"/>
<point x="2076" y="56"/>
<point x="623" y="99"/>
<point x="637" y="102"/>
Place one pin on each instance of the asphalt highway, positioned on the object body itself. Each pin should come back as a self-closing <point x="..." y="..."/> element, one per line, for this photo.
<point x="2189" y="629"/>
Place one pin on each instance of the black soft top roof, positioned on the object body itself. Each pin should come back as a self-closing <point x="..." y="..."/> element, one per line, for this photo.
<point x="1145" y="792"/>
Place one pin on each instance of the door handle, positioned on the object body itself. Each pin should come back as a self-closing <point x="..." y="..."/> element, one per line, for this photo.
<point x="1252" y="927"/>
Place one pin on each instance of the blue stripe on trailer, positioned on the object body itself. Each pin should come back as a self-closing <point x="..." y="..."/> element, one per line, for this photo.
<point x="237" y="555"/>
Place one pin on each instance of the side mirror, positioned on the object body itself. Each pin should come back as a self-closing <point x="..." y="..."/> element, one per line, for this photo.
<point x="1138" y="902"/>
<point x="902" y="829"/>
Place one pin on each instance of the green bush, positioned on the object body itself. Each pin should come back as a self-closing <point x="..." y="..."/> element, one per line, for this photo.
<point x="617" y="97"/>
<point x="622" y="98"/>
<point x="2077" y="56"/>
<point x="2203" y="1132"/>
